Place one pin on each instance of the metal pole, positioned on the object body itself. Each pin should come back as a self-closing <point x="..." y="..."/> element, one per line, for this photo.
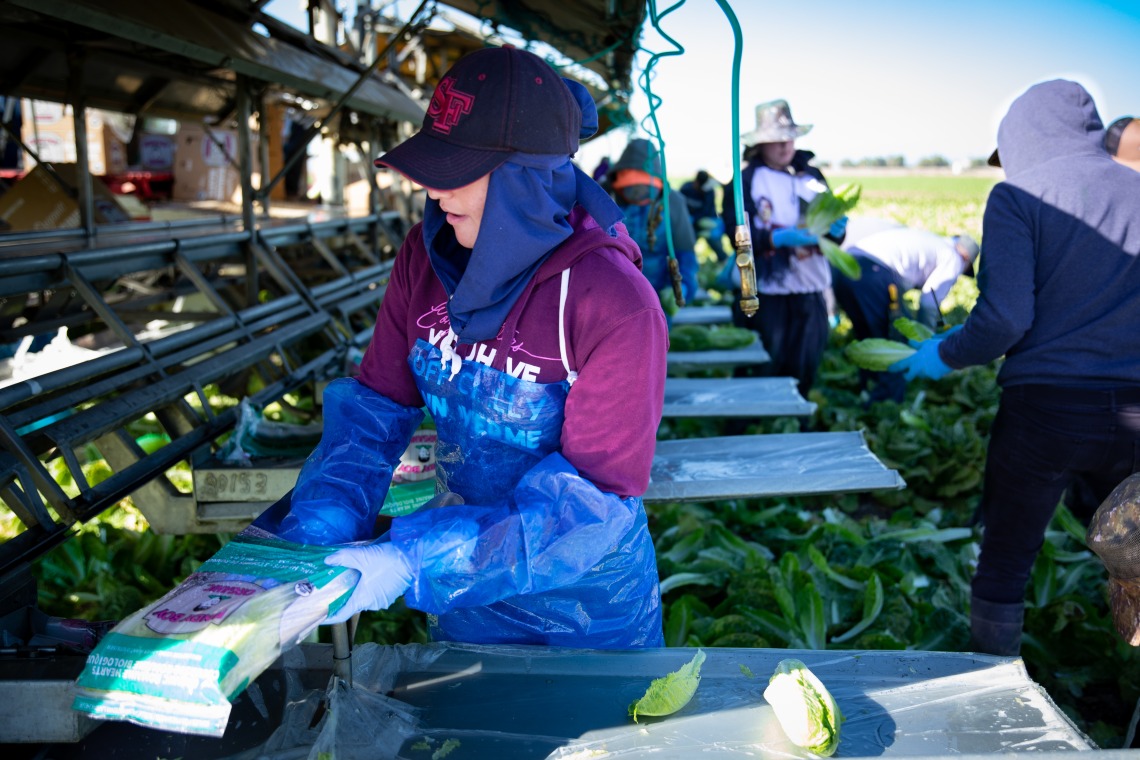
<point x="245" y="152"/>
<point x="245" y="161"/>
<point x="75" y="61"/>
<point x="342" y="652"/>
<point x="373" y="185"/>
<point x="315" y="128"/>
<point x="262" y="150"/>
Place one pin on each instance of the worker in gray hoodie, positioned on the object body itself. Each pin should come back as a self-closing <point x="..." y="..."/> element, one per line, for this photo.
<point x="1058" y="280"/>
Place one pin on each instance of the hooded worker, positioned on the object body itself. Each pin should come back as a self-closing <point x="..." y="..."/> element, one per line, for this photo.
<point x="517" y="315"/>
<point x="1058" y="283"/>
<point x="636" y="184"/>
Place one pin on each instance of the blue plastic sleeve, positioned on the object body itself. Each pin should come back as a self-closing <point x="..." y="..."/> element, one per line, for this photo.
<point x="343" y="483"/>
<point x="556" y="526"/>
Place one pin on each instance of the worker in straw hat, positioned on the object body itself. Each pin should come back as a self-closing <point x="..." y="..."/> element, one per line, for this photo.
<point x="516" y="313"/>
<point x="792" y="275"/>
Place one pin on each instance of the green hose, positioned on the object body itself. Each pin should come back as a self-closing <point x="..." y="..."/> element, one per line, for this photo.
<point x="738" y="45"/>
<point x="655" y="101"/>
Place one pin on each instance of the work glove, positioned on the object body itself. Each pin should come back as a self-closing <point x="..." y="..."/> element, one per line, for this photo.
<point x="729" y="276"/>
<point x="792" y="237"/>
<point x="384" y="577"/>
<point x="838" y="228"/>
<point x="925" y="361"/>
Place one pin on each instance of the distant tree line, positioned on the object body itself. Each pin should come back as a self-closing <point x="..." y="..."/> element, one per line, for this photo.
<point x="899" y="162"/>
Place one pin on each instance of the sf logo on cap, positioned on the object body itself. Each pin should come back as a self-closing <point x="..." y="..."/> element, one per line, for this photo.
<point x="448" y="105"/>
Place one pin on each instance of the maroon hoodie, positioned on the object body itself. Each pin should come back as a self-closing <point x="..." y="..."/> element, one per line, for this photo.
<point x="616" y="338"/>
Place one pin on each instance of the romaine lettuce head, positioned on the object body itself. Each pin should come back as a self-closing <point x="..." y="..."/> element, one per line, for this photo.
<point x="806" y="710"/>
<point x="876" y="354"/>
<point x="828" y="206"/>
<point x="912" y="330"/>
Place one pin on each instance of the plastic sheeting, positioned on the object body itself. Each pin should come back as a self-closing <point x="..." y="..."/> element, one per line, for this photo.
<point x="751" y="466"/>
<point x="735" y="397"/>
<point x="722" y="359"/>
<point x="343" y="483"/>
<point x="561" y="564"/>
<point x="457" y="701"/>
<point x="703" y="315"/>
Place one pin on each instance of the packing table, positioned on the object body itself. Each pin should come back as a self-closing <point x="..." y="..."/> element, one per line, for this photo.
<point x="754" y="466"/>
<point x="734" y="397"/>
<point x="717" y="359"/>
<point x="702" y="315"/>
<point x="505" y="702"/>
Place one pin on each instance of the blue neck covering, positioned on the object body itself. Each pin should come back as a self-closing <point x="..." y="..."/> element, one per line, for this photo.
<point x="524" y="219"/>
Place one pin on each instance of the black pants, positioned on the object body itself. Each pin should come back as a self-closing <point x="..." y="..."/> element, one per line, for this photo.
<point x="867" y="303"/>
<point x="1042" y="438"/>
<point x="794" y="330"/>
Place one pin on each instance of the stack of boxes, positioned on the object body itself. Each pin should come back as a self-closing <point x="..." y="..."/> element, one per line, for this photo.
<point x="205" y="164"/>
<point x="201" y="161"/>
<point x="49" y="130"/>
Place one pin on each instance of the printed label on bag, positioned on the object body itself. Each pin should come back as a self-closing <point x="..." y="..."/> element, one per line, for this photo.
<point x="196" y="606"/>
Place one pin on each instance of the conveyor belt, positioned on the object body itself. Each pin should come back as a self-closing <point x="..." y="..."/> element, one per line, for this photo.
<point x="735" y="397"/>
<point x="751" y="466"/>
<point x="693" y="469"/>
<point x="513" y="702"/>
<point x="687" y="361"/>
<point x="703" y="315"/>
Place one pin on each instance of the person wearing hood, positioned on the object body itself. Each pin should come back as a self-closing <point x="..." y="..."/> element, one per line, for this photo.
<point x="636" y="183"/>
<point x="517" y="315"/>
<point x="1058" y="286"/>
<point x="893" y="261"/>
<point x="792" y="274"/>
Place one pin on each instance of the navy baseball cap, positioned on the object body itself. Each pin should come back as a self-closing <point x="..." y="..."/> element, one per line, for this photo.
<point x="490" y="103"/>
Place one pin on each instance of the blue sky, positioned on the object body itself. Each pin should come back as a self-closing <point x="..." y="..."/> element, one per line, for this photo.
<point x="875" y="78"/>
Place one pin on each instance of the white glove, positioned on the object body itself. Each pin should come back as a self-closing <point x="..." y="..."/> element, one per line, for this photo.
<point x="384" y="577"/>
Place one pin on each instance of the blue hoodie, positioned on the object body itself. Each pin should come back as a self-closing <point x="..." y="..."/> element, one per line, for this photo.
<point x="1059" y="273"/>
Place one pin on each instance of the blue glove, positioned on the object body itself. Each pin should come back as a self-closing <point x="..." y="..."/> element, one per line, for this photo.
<point x="792" y="236"/>
<point x="729" y="276"/>
<point x="384" y="577"/>
<point x="925" y="361"/>
<point x="838" y="228"/>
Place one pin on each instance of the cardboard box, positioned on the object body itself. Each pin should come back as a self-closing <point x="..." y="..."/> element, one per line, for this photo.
<point x="38" y="202"/>
<point x="156" y="152"/>
<point x="202" y="167"/>
<point x="49" y="130"/>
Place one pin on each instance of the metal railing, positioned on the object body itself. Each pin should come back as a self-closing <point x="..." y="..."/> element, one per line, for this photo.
<point x="153" y="321"/>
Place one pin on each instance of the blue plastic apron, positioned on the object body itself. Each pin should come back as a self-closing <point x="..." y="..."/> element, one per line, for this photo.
<point x="492" y="429"/>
